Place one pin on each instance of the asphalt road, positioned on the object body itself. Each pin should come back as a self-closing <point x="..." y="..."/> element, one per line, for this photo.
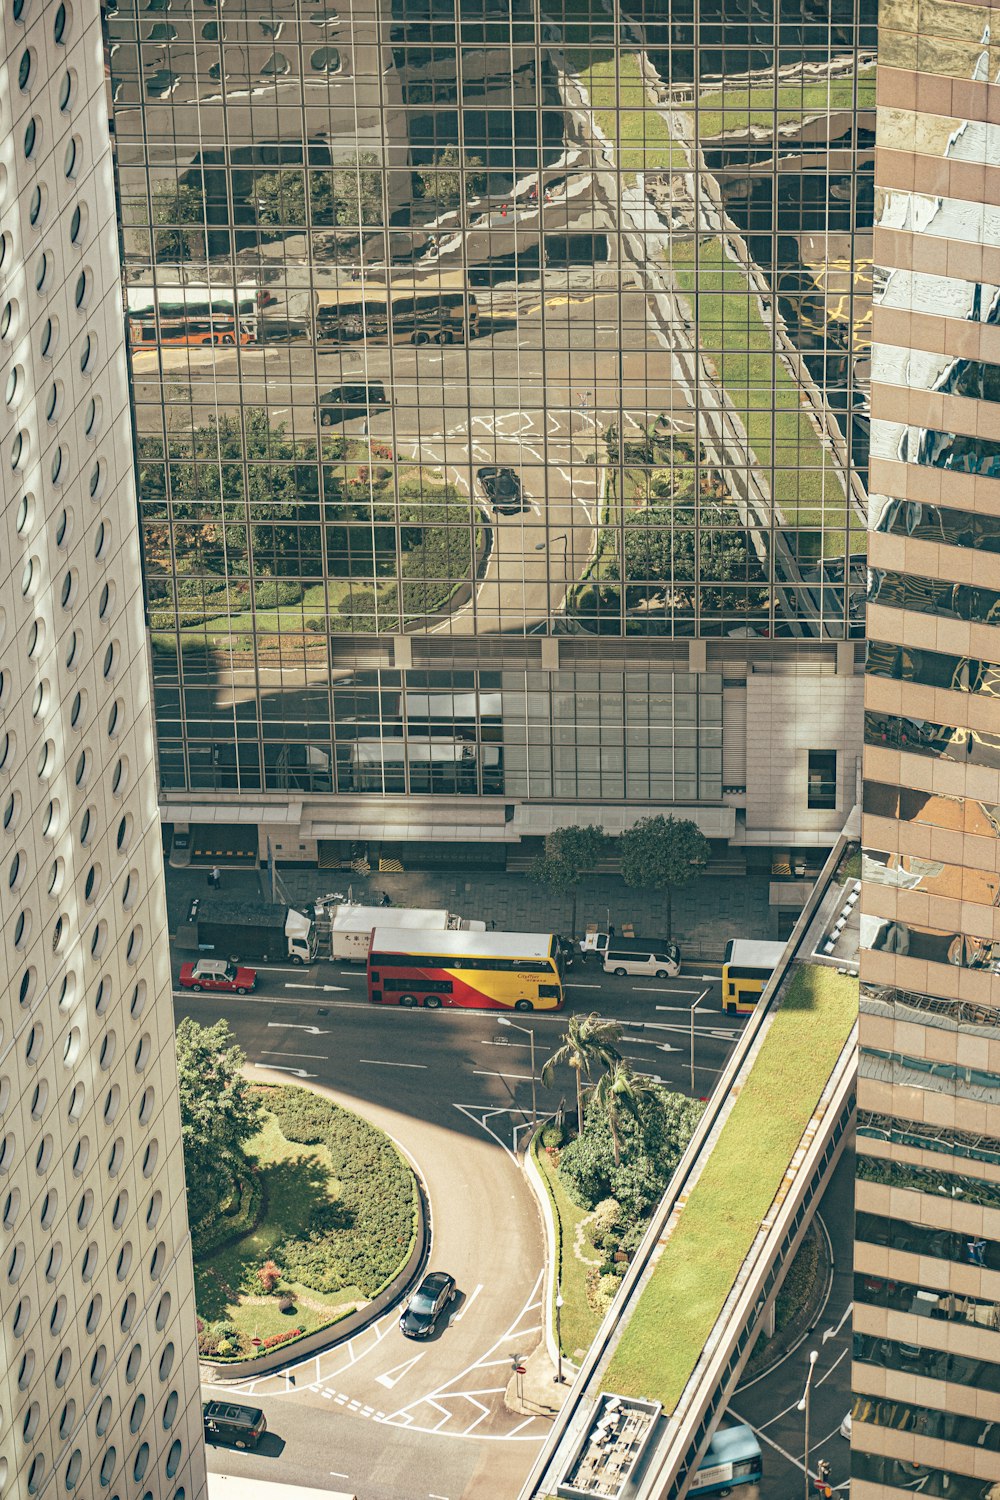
<point x="770" y="1403"/>
<point x="384" y="1416"/>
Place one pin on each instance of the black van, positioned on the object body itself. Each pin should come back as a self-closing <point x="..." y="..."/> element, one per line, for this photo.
<point x="345" y="402"/>
<point x="225" y="1422"/>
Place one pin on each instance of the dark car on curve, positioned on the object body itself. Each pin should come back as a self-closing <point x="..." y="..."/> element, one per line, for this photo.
<point x="433" y="1295"/>
<point x="345" y="402"/>
<point x="228" y="1422"/>
<point x="502" y="488"/>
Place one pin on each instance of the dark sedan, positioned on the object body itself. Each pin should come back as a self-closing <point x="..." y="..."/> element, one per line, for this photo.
<point x="502" y="488"/>
<point x="433" y="1295"/>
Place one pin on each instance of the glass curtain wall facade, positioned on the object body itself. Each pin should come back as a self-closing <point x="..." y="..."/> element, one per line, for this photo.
<point x="927" y="1257"/>
<point x="452" y="330"/>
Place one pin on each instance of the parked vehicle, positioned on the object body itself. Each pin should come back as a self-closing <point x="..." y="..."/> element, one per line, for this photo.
<point x="217" y="974"/>
<point x="433" y="1295"/>
<point x="345" y="402"/>
<point x="350" y="927"/>
<point x="656" y="959"/>
<point x="501" y="488"/>
<point x="657" y="956"/>
<point x="226" y="1422"/>
<point x="253" y="929"/>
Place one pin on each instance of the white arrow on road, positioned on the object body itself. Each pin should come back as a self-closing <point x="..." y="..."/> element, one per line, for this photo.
<point x="648" y="1041"/>
<point x="279" y="1068"/>
<point x="341" y="988"/>
<point x="312" y="1030"/>
<point x="394" y="1376"/>
<point x="831" y="1333"/>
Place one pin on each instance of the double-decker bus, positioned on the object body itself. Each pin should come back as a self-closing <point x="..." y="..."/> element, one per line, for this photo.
<point x="466" y="970"/>
<point x="443" y="311"/>
<point x="746" y="968"/>
<point x="191" y="315"/>
<point x="733" y="1457"/>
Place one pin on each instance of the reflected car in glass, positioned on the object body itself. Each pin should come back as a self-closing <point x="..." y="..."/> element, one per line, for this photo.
<point x="501" y="488"/>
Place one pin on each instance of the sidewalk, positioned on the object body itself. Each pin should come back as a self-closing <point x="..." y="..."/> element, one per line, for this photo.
<point x="705" y="915"/>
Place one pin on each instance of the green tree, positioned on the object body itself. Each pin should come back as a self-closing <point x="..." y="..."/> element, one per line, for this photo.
<point x="181" y="207"/>
<point x="620" y="1092"/>
<point x="357" y="191"/>
<point x="651" y="1141"/>
<point x="663" y="854"/>
<point x="452" y="178"/>
<point x="589" y="1040"/>
<point x="219" y="1114"/>
<point x="571" y="854"/>
<point x="279" y="198"/>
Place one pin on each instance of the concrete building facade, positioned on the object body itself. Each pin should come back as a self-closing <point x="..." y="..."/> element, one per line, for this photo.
<point x="927" y="1285"/>
<point x="99" y="1385"/>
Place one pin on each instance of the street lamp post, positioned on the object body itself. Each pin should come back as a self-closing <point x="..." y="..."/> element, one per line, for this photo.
<point x="506" y="1021"/>
<point x="803" y="1405"/>
<point x="559" y="1308"/>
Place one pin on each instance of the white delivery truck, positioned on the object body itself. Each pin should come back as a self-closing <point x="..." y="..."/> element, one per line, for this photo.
<point x="351" y="926"/>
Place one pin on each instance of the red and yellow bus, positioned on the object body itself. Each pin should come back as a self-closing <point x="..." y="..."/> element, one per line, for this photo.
<point x="466" y="970"/>
<point x="192" y="315"/>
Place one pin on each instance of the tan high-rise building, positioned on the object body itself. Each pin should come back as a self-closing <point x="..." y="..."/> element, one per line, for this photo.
<point x="98" y="1375"/>
<point x="927" y="1286"/>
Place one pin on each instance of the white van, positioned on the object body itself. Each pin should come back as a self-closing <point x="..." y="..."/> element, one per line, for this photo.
<point x="660" y="962"/>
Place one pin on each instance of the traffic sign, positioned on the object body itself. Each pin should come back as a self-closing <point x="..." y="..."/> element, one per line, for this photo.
<point x="520" y="1370"/>
<point x="256" y="1343"/>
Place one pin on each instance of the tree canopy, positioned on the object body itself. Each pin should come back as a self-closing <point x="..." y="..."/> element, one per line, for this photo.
<point x="663" y="854"/>
<point x="218" y="1112"/>
<point x="651" y="1135"/>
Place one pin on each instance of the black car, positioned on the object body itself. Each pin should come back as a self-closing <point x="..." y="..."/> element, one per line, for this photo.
<point x="502" y="489"/>
<point x="433" y="1295"/>
<point x="227" y="1422"/>
<point x="345" y="402"/>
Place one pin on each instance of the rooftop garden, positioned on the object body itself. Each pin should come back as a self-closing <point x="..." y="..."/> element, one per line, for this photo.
<point x="672" y="1319"/>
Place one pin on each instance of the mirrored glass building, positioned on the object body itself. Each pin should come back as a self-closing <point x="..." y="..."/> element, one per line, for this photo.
<point x="501" y="406"/>
<point x="927" y="1348"/>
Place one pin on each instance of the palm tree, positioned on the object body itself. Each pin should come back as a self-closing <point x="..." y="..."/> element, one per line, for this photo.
<point x="618" y="1093"/>
<point x="589" y="1040"/>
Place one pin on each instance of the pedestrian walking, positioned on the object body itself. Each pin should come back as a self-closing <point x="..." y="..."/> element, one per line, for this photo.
<point x="215" y="877"/>
<point x="611" y="930"/>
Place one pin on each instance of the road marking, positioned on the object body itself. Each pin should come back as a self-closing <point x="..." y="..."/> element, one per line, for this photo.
<point x="519" y="1077"/>
<point x="292" y="1026"/>
<point x="836" y="1362"/>
<point x="663" y="989"/>
<point x="467" y="1304"/>
<point x="338" y="1474"/>
<point x="699" y="1010"/>
<point x="771" y="1443"/>
<point x="394" y="1376"/>
<point x="831" y="1333"/>
<point x="341" y="989"/>
<point x="279" y="1052"/>
<point x="278" y="1068"/>
<point x="575" y="984"/>
<point x="380" y="1062"/>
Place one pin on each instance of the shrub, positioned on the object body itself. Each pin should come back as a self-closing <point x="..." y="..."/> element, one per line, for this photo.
<point x="212" y="1335"/>
<point x="605" y="1226"/>
<point x="282" y="1338"/>
<point x="268" y="1275"/>
<point x="361" y="1238"/>
<point x="228" y="1347"/>
<point x="553" y="1135"/>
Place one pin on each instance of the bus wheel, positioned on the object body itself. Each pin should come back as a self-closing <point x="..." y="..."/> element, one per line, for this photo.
<point x="420" y="337"/>
<point x="524" y="1005"/>
<point x="227" y="338"/>
<point x="432" y="1002"/>
<point x="408" y="1000"/>
<point x="443" y="336"/>
<point x="326" y="419"/>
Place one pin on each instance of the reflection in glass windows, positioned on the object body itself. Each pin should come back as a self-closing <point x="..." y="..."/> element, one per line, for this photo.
<point x="939" y="741"/>
<point x="925" y="1302"/>
<point x="934" y="596"/>
<point x="906" y="1475"/>
<point x="961" y="674"/>
<point x="936" y="523"/>
<point x="920" y="1239"/>
<point x="976" y="1146"/>
<point x="903" y="1174"/>
<point x="929" y="1010"/>
<point x="936" y="1364"/>
<point x="928" y="1422"/>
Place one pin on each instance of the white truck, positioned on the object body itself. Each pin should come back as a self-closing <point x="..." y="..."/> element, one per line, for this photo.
<point x="350" y="927"/>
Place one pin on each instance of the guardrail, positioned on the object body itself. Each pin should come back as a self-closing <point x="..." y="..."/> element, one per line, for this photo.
<point x="681" y="1183"/>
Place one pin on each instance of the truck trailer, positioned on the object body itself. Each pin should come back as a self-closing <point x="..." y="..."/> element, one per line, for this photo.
<point x="250" y="930"/>
<point x="351" y="926"/>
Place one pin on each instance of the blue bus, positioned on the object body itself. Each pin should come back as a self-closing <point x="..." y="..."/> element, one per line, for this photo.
<point x="732" y="1458"/>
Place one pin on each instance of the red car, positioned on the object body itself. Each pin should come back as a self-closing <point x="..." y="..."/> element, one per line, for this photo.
<point x="217" y="974"/>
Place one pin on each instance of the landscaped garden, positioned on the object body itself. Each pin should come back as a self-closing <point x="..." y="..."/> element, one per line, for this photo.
<point x="605" y="1179"/>
<point x="244" y="541"/>
<point x="680" y="531"/>
<point x="676" y="1311"/>
<point x="300" y="1211"/>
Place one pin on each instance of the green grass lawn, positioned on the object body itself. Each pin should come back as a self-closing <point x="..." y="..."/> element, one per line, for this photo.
<point x="643" y="143"/>
<point x="683" y="1298"/>
<point x="297" y="1180"/>
<point x="579" y="1321"/>
<point x="729" y="110"/>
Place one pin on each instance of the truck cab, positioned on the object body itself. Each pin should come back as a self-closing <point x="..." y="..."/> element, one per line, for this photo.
<point x="300" y="934"/>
